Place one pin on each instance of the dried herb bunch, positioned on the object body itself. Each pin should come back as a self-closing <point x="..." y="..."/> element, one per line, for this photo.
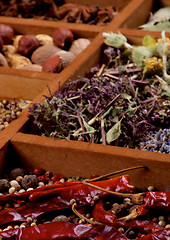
<point x="117" y="103"/>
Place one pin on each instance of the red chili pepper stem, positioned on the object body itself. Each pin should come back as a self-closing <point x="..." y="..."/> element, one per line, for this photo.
<point x="114" y="173"/>
<point x="74" y="205"/>
<point x="136" y="198"/>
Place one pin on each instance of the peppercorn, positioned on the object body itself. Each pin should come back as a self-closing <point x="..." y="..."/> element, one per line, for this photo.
<point x="16" y="172"/>
<point x="30" y="181"/>
<point x="4" y="185"/>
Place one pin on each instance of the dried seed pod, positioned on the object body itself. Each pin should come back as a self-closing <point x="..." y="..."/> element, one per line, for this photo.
<point x="3" y="61"/>
<point x="44" y="39"/>
<point x="79" y="45"/>
<point x="7" y="33"/>
<point x="27" y="44"/>
<point x="16" y="60"/>
<point x="66" y="57"/>
<point x="63" y="38"/>
<point x="52" y="64"/>
<point x="41" y="54"/>
<point x="16" y="40"/>
<point x="9" y="49"/>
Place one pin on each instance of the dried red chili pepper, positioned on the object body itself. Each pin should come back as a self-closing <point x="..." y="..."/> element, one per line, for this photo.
<point x="63" y="230"/>
<point x="82" y="194"/>
<point x="25" y="195"/>
<point x="119" y="184"/>
<point x="159" y="235"/>
<point x="101" y="215"/>
<point x="143" y="226"/>
<point x="157" y="200"/>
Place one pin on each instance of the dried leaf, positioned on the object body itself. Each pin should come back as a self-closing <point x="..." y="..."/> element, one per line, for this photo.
<point x="114" y="132"/>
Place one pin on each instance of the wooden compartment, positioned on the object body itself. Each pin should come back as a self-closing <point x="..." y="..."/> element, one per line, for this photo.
<point x="118" y="5"/>
<point x="142" y="14"/>
<point x="29" y="26"/>
<point x="80" y="158"/>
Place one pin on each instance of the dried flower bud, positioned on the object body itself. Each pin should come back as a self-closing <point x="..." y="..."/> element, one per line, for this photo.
<point x="52" y="64"/>
<point x="63" y="38"/>
<point x="27" y="44"/>
<point x="7" y="33"/>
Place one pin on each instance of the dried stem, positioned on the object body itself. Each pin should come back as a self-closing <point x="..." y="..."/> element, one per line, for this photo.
<point x="83" y="217"/>
<point x="114" y="173"/>
<point x="136" y="198"/>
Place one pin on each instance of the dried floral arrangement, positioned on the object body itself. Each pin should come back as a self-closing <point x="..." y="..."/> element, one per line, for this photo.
<point x="122" y="102"/>
<point x="58" y="10"/>
<point x="42" y="205"/>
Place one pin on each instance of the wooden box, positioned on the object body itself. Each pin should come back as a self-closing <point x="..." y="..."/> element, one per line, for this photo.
<point x="78" y="158"/>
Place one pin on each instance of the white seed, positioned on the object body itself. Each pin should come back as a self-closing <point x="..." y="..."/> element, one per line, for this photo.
<point x="19" y="178"/>
<point x="126" y="200"/>
<point x="16" y="226"/>
<point x="150" y="188"/>
<point x="5" y="229"/>
<point x="14" y="183"/>
<point x="167" y="226"/>
<point x="33" y="224"/>
<point x="6" y="124"/>
<point x="121" y="230"/>
<point x="2" y="127"/>
<point x="22" y="190"/>
<point x="11" y="190"/>
<point x="162" y="223"/>
<point x="29" y="189"/>
<point x="29" y="219"/>
<point x="62" y="180"/>
<point x="9" y="227"/>
<point x="95" y="198"/>
<point x="17" y="205"/>
<point x="41" y="184"/>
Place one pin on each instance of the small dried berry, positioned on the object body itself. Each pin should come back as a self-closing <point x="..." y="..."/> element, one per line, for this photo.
<point x="38" y="171"/>
<point x="30" y="181"/>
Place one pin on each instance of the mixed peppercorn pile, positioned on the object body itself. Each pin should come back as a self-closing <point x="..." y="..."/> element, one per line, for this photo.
<point x="43" y="205"/>
<point x="10" y="110"/>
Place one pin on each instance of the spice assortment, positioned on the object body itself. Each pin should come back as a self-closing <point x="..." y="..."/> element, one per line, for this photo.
<point x="80" y="208"/>
<point x="59" y="11"/>
<point x="121" y="102"/>
<point x="10" y="110"/>
<point x="39" y="52"/>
